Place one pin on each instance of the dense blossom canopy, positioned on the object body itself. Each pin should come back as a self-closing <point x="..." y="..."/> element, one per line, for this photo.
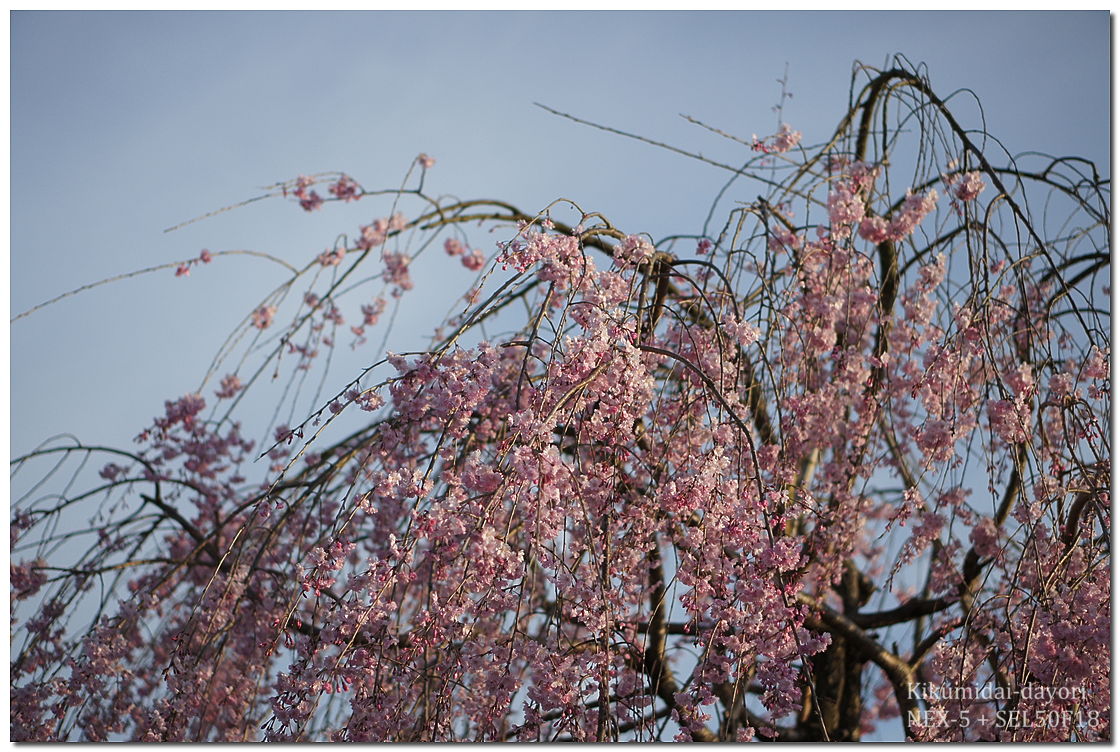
<point x="841" y="464"/>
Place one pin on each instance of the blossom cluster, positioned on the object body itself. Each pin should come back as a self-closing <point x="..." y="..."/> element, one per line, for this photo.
<point x="754" y="489"/>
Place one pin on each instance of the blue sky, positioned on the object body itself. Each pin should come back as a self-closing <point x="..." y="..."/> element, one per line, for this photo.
<point x="123" y="124"/>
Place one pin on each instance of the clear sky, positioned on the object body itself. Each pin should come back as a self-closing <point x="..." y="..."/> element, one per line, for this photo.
<point x="123" y="124"/>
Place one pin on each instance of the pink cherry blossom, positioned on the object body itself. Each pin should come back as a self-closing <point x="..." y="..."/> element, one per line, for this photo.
<point x="231" y="385"/>
<point x="473" y="260"/>
<point x="346" y="189"/>
<point x="262" y="317"/>
<point x="840" y="468"/>
<point x="785" y="139"/>
<point x="969" y="186"/>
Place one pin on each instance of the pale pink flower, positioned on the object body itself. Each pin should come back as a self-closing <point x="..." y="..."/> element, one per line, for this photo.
<point x="985" y="538"/>
<point x="968" y="186"/>
<point x="785" y="139"/>
<point x="1096" y="366"/>
<point x="332" y="258"/>
<point x="367" y="400"/>
<point x="845" y="207"/>
<point x="1061" y="384"/>
<point x="311" y="201"/>
<point x="783" y="237"/>
<point x="346" y="189"/>
<point x="377" y="233"/>
<point x="27" y="578"/>
<point x="914" y="209"/>
<point x="111" y="471"/>
<point x="396" y="270"/>
<point x="372" y="312"/>
<point x="1010" y="420"/>
<point x="741" y="332"/>
<point x="230" y="386"/>
<point x="633" y="249"/>
<point x="262" y="317"/>
<point x="874" y="229"/>
<point x="474" y="260"/>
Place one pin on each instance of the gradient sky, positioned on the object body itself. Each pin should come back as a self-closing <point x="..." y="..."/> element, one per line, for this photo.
<point x="123" y="124"/>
